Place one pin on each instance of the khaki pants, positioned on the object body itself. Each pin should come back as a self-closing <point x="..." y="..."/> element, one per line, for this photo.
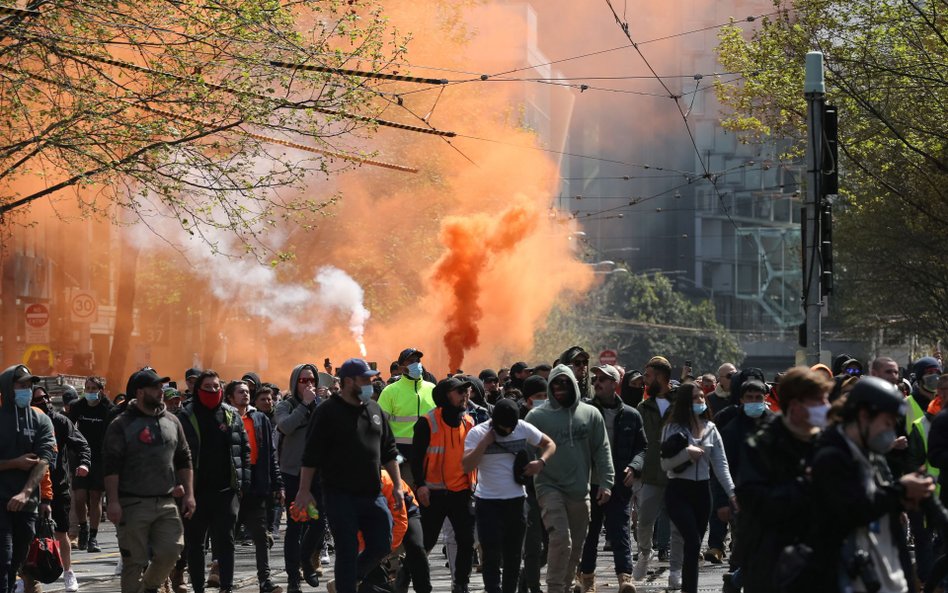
<point x="149" y="534"/>
<point x="566" y="521"/>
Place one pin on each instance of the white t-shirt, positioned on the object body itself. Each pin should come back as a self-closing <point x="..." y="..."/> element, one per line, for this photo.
<point x="495" y="478"/>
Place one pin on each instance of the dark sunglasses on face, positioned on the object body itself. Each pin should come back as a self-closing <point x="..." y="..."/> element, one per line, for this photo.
<point x="854" y="372"/>
<point x="303" y="381"/>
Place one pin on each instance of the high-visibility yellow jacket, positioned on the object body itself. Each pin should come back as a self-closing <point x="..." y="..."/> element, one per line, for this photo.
<point x="404" y="402"/>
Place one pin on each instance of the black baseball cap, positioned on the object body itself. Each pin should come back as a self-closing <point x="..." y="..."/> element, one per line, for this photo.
<point x="448" y="385"/>
<point x="146" y="377"/>
<point x="518" y="367"/>
<point x="23" y="373"/>
<point x="192" y="372"/>
<point x="488" y="375"/>
<point x="409" y="352"/>
<point x="355" y="367"/>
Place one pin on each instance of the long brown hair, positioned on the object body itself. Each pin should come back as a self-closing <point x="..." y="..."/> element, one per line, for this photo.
<point x="682" y="413"/>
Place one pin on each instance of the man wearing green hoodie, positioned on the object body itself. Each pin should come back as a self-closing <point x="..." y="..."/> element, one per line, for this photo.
<point x="582" y="452"/>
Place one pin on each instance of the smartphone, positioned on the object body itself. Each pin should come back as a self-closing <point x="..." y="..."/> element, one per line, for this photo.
<point x="173" y="384"/>
<point x="374" y="366"/>
<point x="688" y="363"/>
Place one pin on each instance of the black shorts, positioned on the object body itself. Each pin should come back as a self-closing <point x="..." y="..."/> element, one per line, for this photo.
<point x="94" y="481"/>
<point x="62" y="503"/>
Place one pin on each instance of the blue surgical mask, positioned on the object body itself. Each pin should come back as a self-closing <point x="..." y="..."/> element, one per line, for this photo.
<point x="22" y="397"/>
<point x="699" y="409"/>
<point x="366" y="393"/>
<point x="755" y="409"/>
<point x="415" y="370"/>
<point x="91" y="397"/>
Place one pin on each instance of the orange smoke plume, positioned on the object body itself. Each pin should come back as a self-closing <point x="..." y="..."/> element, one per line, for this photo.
<point x="473" y="246"/>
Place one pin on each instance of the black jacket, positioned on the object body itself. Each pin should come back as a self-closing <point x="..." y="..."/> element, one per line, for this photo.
<point x="733" y="434"/>
<point x="68" y="440"/>
<point x="774" y="501"/>
<point x="239" y="457"/>
<point x="628" y="444"/>
<point x="845" y="505"/>
<point x="265" y="476"/>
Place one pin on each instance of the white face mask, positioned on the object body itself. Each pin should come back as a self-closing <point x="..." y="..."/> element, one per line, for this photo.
<point x="817" y="415"/>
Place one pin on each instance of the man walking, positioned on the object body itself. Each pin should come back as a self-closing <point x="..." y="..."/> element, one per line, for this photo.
<point x="627" y="444"/>
<point x="27" y="449"/>
<point x="493" y="448"/>
<point x="404" y="402"/>
<point x="444" y="487"/>
<point x="563" y="487"/>
<point x="349" y="442"/>
<point x="145" y="456"/>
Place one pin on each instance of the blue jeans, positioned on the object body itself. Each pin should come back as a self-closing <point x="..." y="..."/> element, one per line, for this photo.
<point x="348" y="515"/>
<point x="16" y="534"/>
<point x="301" y="540"/>
<point x="616" y="514"/>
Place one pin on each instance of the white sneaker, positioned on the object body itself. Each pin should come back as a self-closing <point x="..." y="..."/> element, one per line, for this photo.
<point x="674" y="579"/>
<point x="72" y="585"/>
<point x="640" y="571"/>
<point x="324" y="557"/>
<point x="118" y="567"/>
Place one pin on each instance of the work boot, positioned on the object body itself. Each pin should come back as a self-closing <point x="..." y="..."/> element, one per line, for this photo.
<point x="293" y="584"/>
<point x="625" y="583"/>
<point x="214" y="575"/>
<point x="714" y="555"/>
<point x="83" y="542"/>
<point x="587" y="582"/>
<point x="177" y="581"/>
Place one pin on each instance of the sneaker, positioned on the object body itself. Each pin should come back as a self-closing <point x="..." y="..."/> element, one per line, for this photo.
<point x="674" y="579"/>
<point x="69" y="578"/>
<point x="118" y="567"/>
<point x="293" y="586"/>
<point x="663" y="555"/>
<point x="714" y="556"/>
<point x="324" y="557"/>
<point x="267" y="586"/>
<point x="640" y="571"/>
<point x="93" y="546"/>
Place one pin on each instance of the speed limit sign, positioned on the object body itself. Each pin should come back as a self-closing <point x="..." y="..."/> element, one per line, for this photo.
<point x="83" y="307"/>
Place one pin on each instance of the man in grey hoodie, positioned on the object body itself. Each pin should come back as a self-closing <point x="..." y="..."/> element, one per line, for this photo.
<point x="582" y="452"/>
<point x="291" y="417"/>
<point x="27" y="449"/>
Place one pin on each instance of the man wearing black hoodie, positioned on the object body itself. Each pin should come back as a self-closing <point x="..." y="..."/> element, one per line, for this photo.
<point x="221" y="455"/>
<point x="27" y="449"/>
<point x="443" y="487"/>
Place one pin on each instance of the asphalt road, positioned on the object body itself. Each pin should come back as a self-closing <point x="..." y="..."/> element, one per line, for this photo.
<point x="96" y="571"/>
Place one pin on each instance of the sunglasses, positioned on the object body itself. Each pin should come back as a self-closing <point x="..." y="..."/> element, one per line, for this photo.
<point x="303" y="381"/>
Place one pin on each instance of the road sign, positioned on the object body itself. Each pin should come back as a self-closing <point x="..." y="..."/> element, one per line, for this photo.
<point x="37" y="323"/>
<point x="608" y="357"/>
<point x="83" y="308"/>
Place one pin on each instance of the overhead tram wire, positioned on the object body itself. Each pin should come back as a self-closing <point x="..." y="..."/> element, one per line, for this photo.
<point x="624" y="26"/>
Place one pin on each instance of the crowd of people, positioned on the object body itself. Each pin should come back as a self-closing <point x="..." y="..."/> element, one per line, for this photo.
<point x="824" y="479"/>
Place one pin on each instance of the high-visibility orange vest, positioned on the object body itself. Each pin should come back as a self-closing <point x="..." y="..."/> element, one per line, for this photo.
<point x="443" y="470"/>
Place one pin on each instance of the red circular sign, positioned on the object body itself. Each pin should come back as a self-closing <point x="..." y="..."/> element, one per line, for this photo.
<point x="608" y="357"/>
<point x="37" y="315"/>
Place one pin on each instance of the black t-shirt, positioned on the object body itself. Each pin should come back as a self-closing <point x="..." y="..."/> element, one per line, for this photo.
<point x="348" y="445"/>
<point x="92" y="421"/>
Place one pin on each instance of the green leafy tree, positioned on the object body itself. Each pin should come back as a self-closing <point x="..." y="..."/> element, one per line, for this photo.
<point x="641" y="316"/>
<point x="885" y="70"/>
<point x="193" y="110"/>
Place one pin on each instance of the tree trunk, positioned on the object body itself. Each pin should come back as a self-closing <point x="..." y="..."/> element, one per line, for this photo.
<point x="124" y="320"/>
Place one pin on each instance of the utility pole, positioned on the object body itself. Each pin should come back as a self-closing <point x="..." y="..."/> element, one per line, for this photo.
<point x="815" y="92"/>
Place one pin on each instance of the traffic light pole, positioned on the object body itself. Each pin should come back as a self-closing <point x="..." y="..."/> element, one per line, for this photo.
<point x="815" y="93"/>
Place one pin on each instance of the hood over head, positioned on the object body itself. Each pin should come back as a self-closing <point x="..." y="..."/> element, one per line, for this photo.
<point x="477" y="385"/>
<point x="10" y="376"/>
<point x="253" y="378"/>
<point x="295" y="375"/>
<point x="558" y="370"/>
